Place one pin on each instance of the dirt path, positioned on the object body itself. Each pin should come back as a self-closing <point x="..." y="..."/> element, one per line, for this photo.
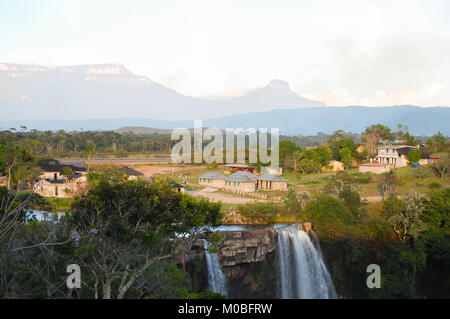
<point x="149" y="171"/>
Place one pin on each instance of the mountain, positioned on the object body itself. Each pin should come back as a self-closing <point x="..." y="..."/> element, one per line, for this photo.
<point x="143" y="130"/>
<point x="305" y="121"/>
<point x="111" y="91"/>
<point x="310" y="121"/>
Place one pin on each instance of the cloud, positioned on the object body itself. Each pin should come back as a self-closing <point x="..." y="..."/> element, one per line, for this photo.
<point x="73" y="17"/>
<point x="340" y="51"/>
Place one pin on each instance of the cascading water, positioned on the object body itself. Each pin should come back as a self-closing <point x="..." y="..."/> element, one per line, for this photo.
<point x="303" y="273"/>
<point x="216" y="278"/>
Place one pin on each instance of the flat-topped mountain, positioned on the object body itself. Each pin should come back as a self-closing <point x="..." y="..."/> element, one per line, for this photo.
<point x="111" y="91"/>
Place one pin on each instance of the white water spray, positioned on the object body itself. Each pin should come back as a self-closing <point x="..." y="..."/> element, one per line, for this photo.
<point x="216" y="278"/>
<point x="303" y="273"/>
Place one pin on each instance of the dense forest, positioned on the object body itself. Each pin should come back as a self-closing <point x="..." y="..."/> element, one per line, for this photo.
<point x="107" y="143"/>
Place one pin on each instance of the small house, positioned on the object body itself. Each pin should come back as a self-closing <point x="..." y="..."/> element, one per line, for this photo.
<point x="177" y="187"/>
<point x="62" y="188"/>
<point x="54" y="172"/>
<point x="231" y="168"/>
<point x="272" y="182"/>
<point x="131" y="173"/>
<point x="241" y="181"/>
<point x="335" y="166"/>
<point x="433" y="159"/>
<point x="212" y="179"/>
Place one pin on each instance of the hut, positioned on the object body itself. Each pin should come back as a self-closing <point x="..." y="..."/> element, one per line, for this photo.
<point x="212" y="179"/>
<point x="272" y="182"/>
<point x="241" y="181"/>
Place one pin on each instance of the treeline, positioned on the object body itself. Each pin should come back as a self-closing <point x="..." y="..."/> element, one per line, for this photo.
<point x="341" y="146"/>
<point x="61" y="143"/>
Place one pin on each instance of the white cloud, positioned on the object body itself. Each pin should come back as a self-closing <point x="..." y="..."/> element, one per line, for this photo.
<point x="342" y="52"/>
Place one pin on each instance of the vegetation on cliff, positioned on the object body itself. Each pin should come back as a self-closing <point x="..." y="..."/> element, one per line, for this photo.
<point x="128" y="237"/>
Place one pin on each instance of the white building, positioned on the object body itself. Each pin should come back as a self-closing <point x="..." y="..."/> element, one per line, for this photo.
<point x="395" y="155"/>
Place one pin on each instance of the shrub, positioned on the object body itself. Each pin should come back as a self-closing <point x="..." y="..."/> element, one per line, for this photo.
<point x="434" y="185"/>
<point x="363" y="178"/>
<point x="327" y="208"/>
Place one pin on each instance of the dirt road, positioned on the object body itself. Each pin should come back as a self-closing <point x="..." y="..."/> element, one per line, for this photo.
<point x="149" y="171"/>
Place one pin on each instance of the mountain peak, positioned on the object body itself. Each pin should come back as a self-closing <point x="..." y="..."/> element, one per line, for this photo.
<point x="276" y="83"/>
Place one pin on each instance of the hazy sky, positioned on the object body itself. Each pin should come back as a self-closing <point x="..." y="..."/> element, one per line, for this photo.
<point x="342" y="52"/>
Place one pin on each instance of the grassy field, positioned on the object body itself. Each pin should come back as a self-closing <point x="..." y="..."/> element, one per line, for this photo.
<point x="314" y="183"/>
<point x="59" y="204"/>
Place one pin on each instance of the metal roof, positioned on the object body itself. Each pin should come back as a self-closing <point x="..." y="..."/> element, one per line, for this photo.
<point x="242" y="176"/>
<point x="59" y="167"/>
<point x="238" y="165"/>
<point x="212" y="175"/>
<point x="131" y="172"/>
<point x="272" y="178"/>
<point x="394" y="146"/>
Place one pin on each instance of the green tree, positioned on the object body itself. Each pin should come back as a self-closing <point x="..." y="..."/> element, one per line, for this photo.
<point x="414" y="156"/>
<point x="346" y="157"/>
<point x="436" y="143"/>
<point x="373" y="134"/>
<point x="306" y="166"/>
<point x="403" y="135"/>
<point x="325" y="208"/>
<point x="352" y="199"/>
<point x="12" y="157"/>
<point x="289" y="154"/>
<point x="66" y="171"/>
<point x="388" y="183"/>
<point x="436" y="210"/>
<point x="89" y="151"/>
<point x="339" y="182"/>
<point x="421" y="173"/>
<point x="337" y="146"/>
<point x="125" y="228"/>
<point x="408" y="223"/>
<point x="442" y="166"/>
<point x="401" y="266"/>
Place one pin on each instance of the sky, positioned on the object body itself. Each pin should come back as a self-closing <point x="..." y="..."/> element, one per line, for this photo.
<point x="342" y="52"/>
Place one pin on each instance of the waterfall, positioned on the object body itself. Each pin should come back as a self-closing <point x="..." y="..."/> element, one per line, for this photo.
<point x="216" y="277"/>
<point x="303" y="273"/>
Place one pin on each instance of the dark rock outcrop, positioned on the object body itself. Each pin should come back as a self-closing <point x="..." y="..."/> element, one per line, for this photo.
<point x="241" y="247"/>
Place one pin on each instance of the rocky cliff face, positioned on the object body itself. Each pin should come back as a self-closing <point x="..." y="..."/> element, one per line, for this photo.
<point x="249" y="261"/>
<point x="242" y="247"/>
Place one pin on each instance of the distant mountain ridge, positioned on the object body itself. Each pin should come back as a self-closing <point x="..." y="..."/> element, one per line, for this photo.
<point x="305" y="121"/>
<point x="111" y="91"/>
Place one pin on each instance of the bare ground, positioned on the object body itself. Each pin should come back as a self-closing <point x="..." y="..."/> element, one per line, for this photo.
<point x="149" y="171"/>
